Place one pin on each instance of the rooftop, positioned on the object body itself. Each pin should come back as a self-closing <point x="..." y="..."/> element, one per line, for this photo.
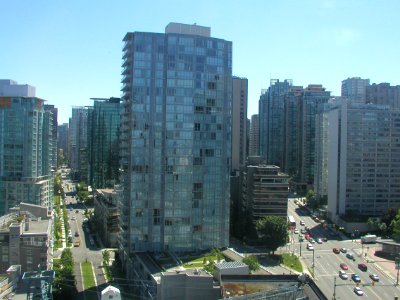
<point x="230" y="265"/>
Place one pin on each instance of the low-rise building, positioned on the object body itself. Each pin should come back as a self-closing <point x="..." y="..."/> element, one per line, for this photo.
<point x="25" y="236"/>
<point x="106" y="216"/>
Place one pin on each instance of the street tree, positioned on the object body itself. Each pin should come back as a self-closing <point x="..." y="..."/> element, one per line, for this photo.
<point x="273" y="230"/>
<point x="252" y="262"/>
<point x="395" y="226"/>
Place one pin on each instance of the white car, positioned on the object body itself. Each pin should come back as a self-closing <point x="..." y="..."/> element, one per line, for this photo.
<point x="310" y="247"/>
<point x="358" y="291"/>
<point x="311" y="240"/>
<point x="302" y="223"/>
<point x="343" y="274"/>
<point x="319" y="241"/>
<point x="296" y="231"/>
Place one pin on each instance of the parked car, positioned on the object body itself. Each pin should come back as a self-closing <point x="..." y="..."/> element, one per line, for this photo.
<point x="311" y="240"/>
<point x="302" y="223"/>
<point x="343" y="274"/>
<point x="310" y="247"/>
<point x="343" y="250"/>
<point x="358" y="291"/>
<point x="356" y="278"/>
<point x="76" y="233"/>
<point x="336" y="250"/>
<point x="319" y="241"/>
<point x="363" y="267"/>
<point x="296" y="231"/>
<point x="303" y="231"/>
<point x="374" y="277"/>
<point x="350" y="255"/>
<point x="344" y="266"/>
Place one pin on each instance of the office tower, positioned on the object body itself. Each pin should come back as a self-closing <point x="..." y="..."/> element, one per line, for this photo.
<point x="354" y="89"/>
<point x="239" y="122"/>
<point x="363" y="172"/>
<point x="62" y="141"/>
<point x="175" y="140"/>
<point x="383" y="94"/>
<point x="271" y="116"/>
<point x="103" y="139"/>
<point x="313" y="96"/>
<point x="26" y="172"/>
<point x="292" y="132"/>
<point x="78" y="142"/>
<point x="254" y="141"/>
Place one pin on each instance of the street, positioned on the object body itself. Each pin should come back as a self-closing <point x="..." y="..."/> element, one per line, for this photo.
<point x="327" y="263"/>
<point x="87" y="250"/>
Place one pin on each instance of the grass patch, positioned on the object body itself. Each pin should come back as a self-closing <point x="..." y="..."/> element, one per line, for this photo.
<point x="199" y="262"/>
<point x="87" y="274"/>
<point x="292" y="261"/>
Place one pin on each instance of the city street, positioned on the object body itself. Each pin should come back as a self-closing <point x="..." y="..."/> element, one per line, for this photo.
<point x="87" y="250"/>
<point x="327" y="263"/>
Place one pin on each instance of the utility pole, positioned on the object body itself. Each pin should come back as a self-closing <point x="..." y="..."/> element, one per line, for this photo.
<point x="300" y="248"/>
<point x="334" y="288"/>
<point x="313" y="263"/>
<point x="398" y="268"/>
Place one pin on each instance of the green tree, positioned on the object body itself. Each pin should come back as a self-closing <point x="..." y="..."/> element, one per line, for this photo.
<point x="273" y="232"/>
<point x="64" y="282"/>
<point x="395" y="227"/>
<point x="310" y="198"/>
<point x="252" y="262"/>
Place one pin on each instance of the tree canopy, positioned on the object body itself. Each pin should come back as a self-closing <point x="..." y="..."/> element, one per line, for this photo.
<point x="273" y="230"/>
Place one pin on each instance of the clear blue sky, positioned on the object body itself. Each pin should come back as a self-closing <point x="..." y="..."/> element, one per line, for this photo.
<point x="71" y="50"/>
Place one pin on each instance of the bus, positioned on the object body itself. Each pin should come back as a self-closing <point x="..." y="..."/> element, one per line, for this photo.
<point x="291" y="221"/>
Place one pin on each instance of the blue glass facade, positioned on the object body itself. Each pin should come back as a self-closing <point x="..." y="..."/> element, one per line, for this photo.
<point x="175" y="142"/>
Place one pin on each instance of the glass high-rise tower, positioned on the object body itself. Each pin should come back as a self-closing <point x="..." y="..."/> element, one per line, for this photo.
<point x="175" y="142"/>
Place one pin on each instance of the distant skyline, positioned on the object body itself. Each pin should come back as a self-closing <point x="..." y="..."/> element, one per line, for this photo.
<point x="71" y="51"/>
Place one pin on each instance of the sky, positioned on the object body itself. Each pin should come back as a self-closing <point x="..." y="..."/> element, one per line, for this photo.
<point x="71" y="51"/>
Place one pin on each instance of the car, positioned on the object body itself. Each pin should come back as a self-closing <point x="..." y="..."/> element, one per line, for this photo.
<point x="307" y="236"/>
<point x="77" y="243"/>
<point x="343" y="274"/>
<point x="311" y="240"/>
<point x="319" y="241"/>
<point x="302" y="223"/>
<point x="296" y="231"/>
<point x="374" y="277"/>
<point x="310" y="247"/>
<point x="73" y="218"/>
<point x="343" y="250"/>
<point x="336" y="250"/>
<point x="303" y="231"/>
<point x="344" y="266"/>
<point x="325" y="239"/>
<point x="71" y="209"/>
<point x="350" y="255"/>
<point x="355" y="277"/>
<point x="76" y="233"/>
<point x="307" y="228"/>
<point x="358" y="291"/>
<point x="363" y="267"/>
<point x="76" y="211"/>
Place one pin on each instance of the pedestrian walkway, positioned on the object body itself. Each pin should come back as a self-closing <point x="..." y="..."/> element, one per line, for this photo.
<point x="387" y="267"/>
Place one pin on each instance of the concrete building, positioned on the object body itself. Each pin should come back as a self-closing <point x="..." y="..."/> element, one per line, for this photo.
<point x="103" y="140"/>
<point x="26" y="144"/>
<point x="254" y="139"/>
<point x="106" y="216"/>
<point x="11" y="88"/>
<point x="271" y="116"/>
<point x="239" y="122"/>
<point x="264" y="192"/>
<point x="363" y="170"/>
<point x="51" y="132"/>
<point x="25" y="238"/>
<point x="354" y="89"/>
<point x="175" y="140"/>
<point x="383" y="94"/>
<point x="231" y="268"/>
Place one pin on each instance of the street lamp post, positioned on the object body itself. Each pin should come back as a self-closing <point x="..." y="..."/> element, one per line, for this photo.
<point x="334" y="288"/>
<point x="300" y="246"/>
<point x="397" y="262"/>
<point x="313" y="263"/>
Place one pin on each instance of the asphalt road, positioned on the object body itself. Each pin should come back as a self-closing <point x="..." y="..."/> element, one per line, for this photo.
<point x="86" y="250"/>
<point x="327" y="263"/>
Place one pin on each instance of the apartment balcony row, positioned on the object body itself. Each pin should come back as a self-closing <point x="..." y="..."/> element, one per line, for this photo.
<point x="127" y="70"/>
<point x="127" y="62"/>
<point x="126" y="78"/>
<point x="125" y="87"/>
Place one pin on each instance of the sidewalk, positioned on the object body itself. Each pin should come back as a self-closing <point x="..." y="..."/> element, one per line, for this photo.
<point x="387" y="267"/>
